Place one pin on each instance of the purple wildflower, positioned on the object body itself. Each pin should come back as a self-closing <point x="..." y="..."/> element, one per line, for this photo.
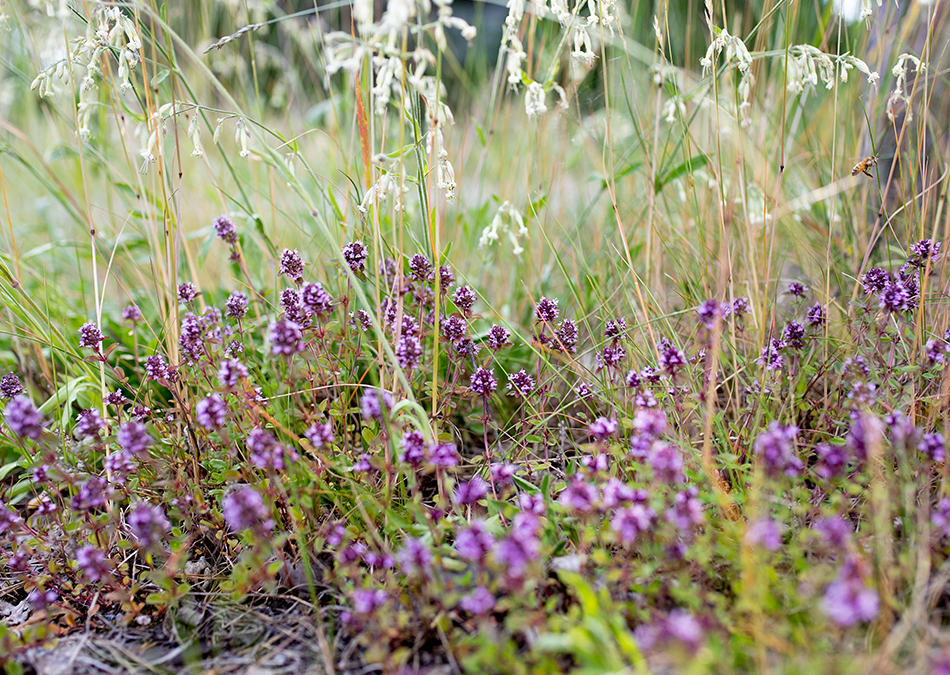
<point x="355" y="254"/>
<point x="766" y="533"/>
<point x="368" y="600"/>
<point x="776" y="447"/>
<point x="291" y="265"/>
<point x="226" y="230"/>
<point x="374" y="402"/>
<point x="709" y="312"/>
<point x="454" y="328"/>
<point x="583" y="390"/>
<point x="231" y="373"/>
<point x="320" y="435"/>
<point x="443" y="455"/>
<point x="895" y="298"/>
<point x="815" y="316"/>
<point x="937" y="351"/>
<point x="236" y="305"/>
<point x="266" y="452"/>
<point x="611" y="356"/>
<point x="832" y="460"/>
<point x="156" y="368"/>
<point x="415" y="557"/>
<point x="414" y="449"/>
<point x="470" y="492"/>
<point x="23" y="419"/>
<point x="446" y="279"/>
<point x="579" y="496"/>
<point x="9" y="519"/>
<point x="187" y="292"/>
<point x="547" y="310"/>
<point x="464" y="299"/>
<point x="474" y="542"/>
<point x="793" y="335"/>
<point x="498" y="338"/>
<point x="603" y="428"/>
<point x="408" y="350"/>
<point x="483" y="382"/>
<point x="148" y="524"/>
<point x="131" y="314"/>
<point x="419" y="268"/>
<point x="770" y="356"/>
<point x="874" y="280"/>
<point x="133" y="437"/>
<point x="119" y="465"/>
<point x="40" y="599"/>
<point x="286" y="338"/>
<point x="521" y="547"/>
<point x="10" y="386"/>
<point x="211" y="412"/>
<point x="479" y="601"/>
<point x="566" y="337"/>
<point x="687" y="510"/>
<point x="933" y="447"/>
<point x="90" y="336"/>
<point x="244" y="509"/>
<point x="797" y="289"/>
<point x="89" y="423"/>
<point x="671" y="358"/>
<point x="741" y="307"/>
<point x="92" y="562"/>
<point x="521" y="383"/>
<point x="666" y="461"/>
<point x="90" y="495"/>
<point x="924" y="250"/>
<point x="836" y="531"/>
<point x="191" y="338"/>
<point x="940" y="518"/>
<point x="848" y="600"/>
<point x="632" y="521"/>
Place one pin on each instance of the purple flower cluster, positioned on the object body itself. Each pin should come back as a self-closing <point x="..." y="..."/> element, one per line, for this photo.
<point x="90" y="337"/>
<point x="374" y="403"/>
<point x="10" y="386"/>
<point x="286" y="338"/>
<point x="187" y="292"/>
<point x="464" y="299"/>
<point x="148" y="524"/>
<point x="133" y="437"/>
<point x="776" y="447"/>
<point x="244" y="509"/>
<point x="848" y="600"/>
<point x="211" y="412"/>
<point x="23" y="419"/>
<point x="355" y="254"/>
<point x="547" y="310"/>
<point x="266" y="453"/>
<point x="231" y="373"/>
<point x="227" y="232"/>
<point x="408" y="351"/>
<point x="483" y="382"/>
<point x="631" y="522"/>
<point x="320" y="435"/>
<point x="521" y="383"/>
<point x="236" y="305"/>
<point x="89" y="423"/>
<point x="474" y="542"/>
<point x="603" y="428"/>
<point x="291" y="265"/>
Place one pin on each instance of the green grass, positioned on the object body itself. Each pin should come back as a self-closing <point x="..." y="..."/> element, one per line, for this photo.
<point x="660" y="184"/>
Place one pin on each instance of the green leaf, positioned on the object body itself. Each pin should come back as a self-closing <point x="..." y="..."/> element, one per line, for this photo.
<point x="160" y="77"/>
<point x="689" y="166"/>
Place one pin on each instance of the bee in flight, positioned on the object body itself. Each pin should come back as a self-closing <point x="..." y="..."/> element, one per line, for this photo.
<point x="865" y="166"/>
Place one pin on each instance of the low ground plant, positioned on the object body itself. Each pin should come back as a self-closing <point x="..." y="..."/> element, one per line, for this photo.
<point x="623" y="369"/>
